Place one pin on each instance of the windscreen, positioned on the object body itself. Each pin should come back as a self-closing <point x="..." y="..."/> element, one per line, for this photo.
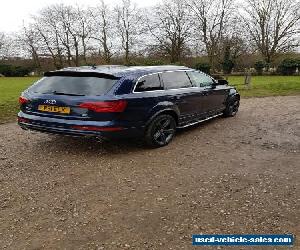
<point x="73" y="85"/>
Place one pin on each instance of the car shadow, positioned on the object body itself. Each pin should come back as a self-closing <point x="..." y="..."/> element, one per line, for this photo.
<point x="75" y="145"/>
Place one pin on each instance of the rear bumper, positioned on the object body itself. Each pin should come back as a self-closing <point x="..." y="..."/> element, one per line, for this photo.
<point x="66" y="127"/>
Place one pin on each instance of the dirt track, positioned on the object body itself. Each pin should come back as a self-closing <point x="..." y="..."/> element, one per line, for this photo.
<point x="233" y="175"/>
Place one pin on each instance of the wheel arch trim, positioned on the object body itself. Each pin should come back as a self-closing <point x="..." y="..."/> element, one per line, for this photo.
<point x="164" y="111"/>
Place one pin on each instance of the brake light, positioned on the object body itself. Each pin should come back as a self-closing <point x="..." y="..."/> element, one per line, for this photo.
<point x="105" y="107"/>
<point x="23" y="100"/>
<point x="95" y="128"/>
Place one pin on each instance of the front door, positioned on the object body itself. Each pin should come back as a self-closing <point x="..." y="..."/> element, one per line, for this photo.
<point x="211" y="99"/>
<point x="179" y="90"/>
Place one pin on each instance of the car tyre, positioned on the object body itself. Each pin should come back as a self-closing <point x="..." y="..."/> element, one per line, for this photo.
<point x="160" y="131"/>
<point x="232" y="108"/>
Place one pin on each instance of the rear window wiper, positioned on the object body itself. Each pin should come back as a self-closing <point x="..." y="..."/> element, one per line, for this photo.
<point x="62" y="93"/>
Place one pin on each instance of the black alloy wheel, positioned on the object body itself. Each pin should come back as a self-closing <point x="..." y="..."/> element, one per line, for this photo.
<point x="161" y="130"/>
<point x="232" y="108"/>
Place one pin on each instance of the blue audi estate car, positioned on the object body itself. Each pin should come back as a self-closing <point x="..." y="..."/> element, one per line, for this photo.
<point x="118" y="101"/>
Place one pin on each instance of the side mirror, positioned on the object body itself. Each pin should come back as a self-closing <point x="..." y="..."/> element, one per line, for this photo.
<point x="222" y="82"/>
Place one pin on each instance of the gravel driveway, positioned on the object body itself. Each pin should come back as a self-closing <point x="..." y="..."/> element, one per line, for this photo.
<point x="234" y="175"/>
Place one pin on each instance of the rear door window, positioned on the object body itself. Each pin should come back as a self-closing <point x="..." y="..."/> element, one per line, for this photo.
<point x="199" y="79"/>
<point x="73" y="85"/>
<point x="176" y="80"/>
<point x="148" y="83"/>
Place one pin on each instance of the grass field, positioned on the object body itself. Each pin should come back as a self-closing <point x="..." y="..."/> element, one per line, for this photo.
<point x="10" y="89"/>
<point x="267" y="85"/>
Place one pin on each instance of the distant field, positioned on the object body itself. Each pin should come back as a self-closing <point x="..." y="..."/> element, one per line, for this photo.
<point x="267" y="85"/>
<point x="11" y="87"/>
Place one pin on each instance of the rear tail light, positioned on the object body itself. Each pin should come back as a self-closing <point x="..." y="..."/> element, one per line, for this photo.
<point x="105" y="107"/>
<point x="95" y="128"/>
<point x="23" y="100"/>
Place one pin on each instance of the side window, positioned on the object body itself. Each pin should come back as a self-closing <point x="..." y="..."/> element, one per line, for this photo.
<point x="199" y="79"/>
<point x="176" y="80"/>
<point x="148" y="83"/>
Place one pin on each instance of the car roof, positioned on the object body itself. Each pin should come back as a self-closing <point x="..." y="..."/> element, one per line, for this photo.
<point x="116" y="70"/>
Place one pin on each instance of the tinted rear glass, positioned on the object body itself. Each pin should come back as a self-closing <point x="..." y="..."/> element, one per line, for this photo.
<point x="176" y="80"/>
<point x="73" y="85"/>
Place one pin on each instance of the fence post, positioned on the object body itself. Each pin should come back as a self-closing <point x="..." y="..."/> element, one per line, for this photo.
<point x="247" y="81"/>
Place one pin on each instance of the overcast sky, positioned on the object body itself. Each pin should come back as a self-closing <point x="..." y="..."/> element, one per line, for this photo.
<point x="14" y="12"/>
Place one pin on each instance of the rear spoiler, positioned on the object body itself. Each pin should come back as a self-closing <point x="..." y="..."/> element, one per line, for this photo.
<point x="81" y="74"/>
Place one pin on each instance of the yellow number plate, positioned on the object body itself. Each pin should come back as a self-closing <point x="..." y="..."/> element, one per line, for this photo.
<point x="54" y="109"/>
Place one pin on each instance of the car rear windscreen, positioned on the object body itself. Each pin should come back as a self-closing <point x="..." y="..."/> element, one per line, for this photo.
<point x="71" y="85"/>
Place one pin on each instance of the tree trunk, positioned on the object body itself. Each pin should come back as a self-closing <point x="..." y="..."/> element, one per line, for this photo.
<point x="127" y="48"/>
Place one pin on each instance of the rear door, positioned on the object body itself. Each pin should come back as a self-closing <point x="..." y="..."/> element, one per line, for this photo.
<point x="147" y="93"/>
<point x="179" y="90"/>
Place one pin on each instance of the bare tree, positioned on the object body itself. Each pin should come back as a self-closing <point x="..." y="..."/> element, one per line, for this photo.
<point x="103" y="26"/>
<point x="2" y="38"/>
<point x="47" y="25"/>
<point x="232" y="46"/>
<point x="8" y="46"/>
<point x="171" y="26"/>
<point x="130" y="25"/>
<point x="30" y="40"/>
<point x="273" y="25"/>
<point x="70" y="35"/>
<point x="65" y="32"/>
<point x="84" y="30"/>
<point x="2" y="44"/>
<point x="66" y="18"/>
<point x="211" y="20"/>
